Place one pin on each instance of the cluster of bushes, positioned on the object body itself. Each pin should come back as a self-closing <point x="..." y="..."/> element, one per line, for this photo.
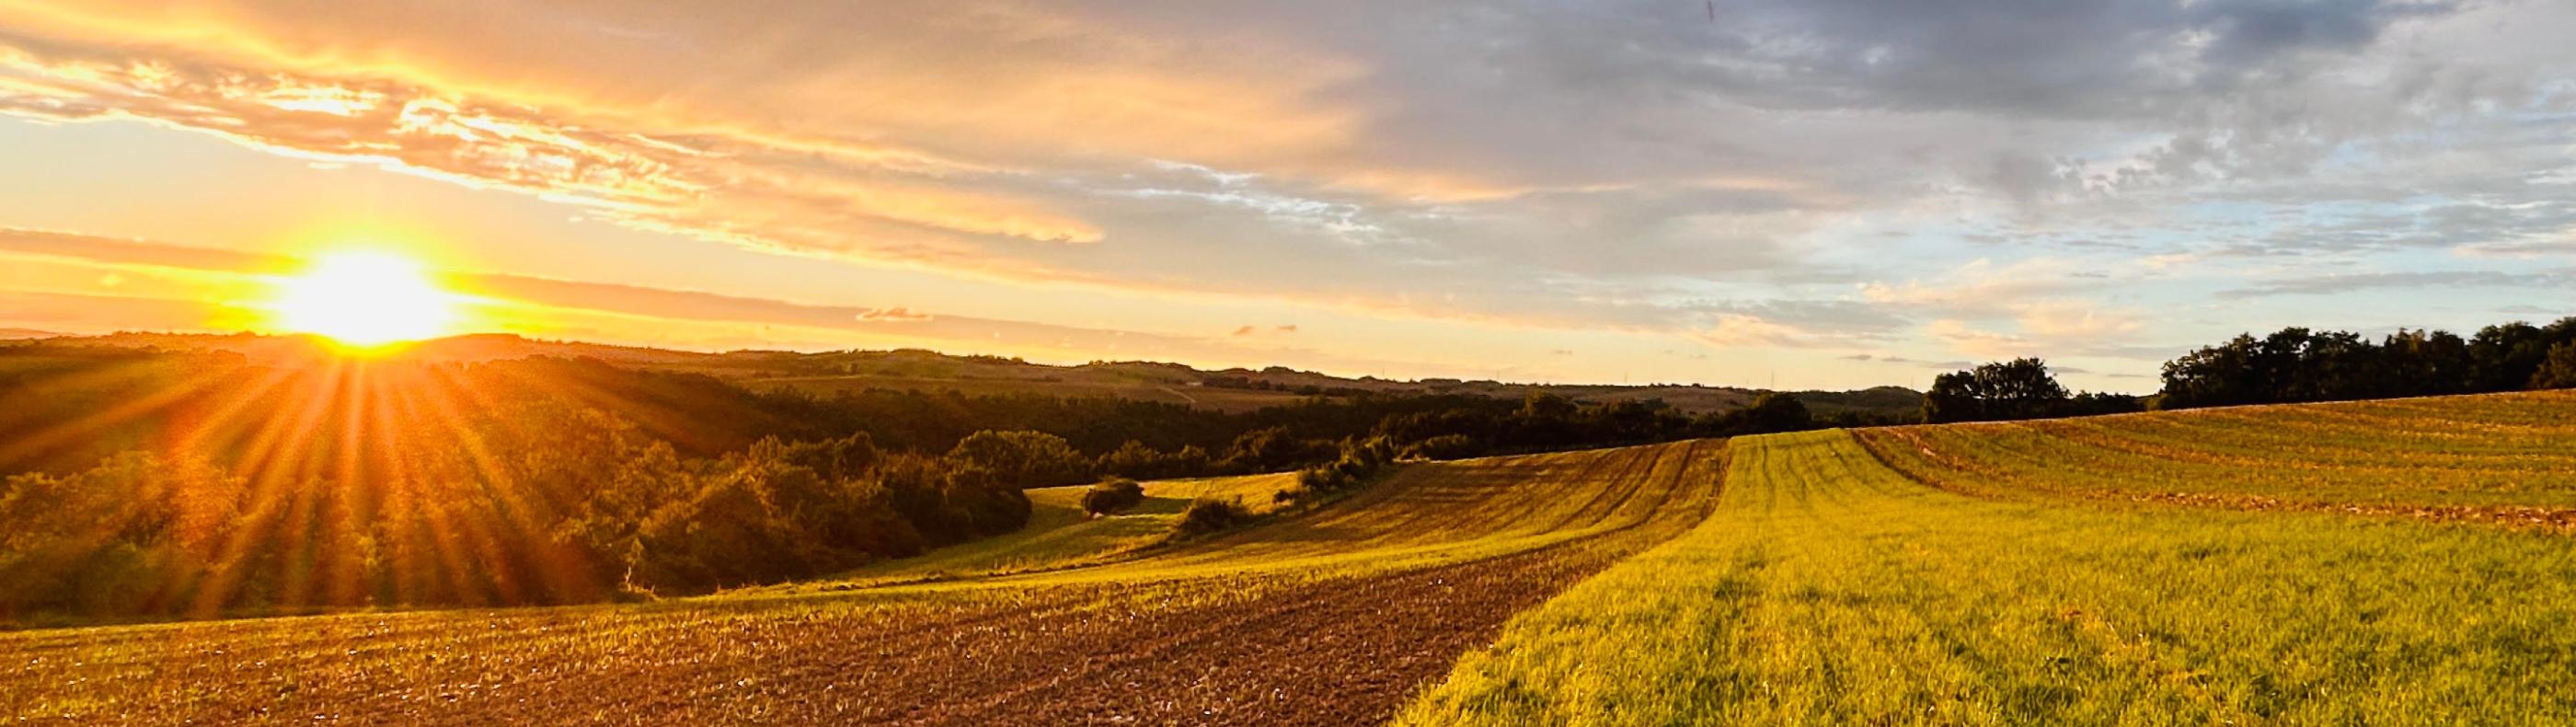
<point x="1210" y="515"/>
<point x="1112" y="496"/>
<point x="1359" y="461"/>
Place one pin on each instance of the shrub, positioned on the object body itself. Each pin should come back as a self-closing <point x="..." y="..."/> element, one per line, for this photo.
<point x="1112" y="496"/>
<point x="1446" y="446"/>
<point x="1210" y="515"/>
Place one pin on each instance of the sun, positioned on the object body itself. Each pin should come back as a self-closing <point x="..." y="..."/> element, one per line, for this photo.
<point x="365" y="299"/>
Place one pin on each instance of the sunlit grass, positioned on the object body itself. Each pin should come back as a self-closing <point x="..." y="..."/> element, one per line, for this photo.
<point x="2487" y="451"/>
<point x="1829" y="589"/>
<point x="1425" y="514"/>
<point x="1060" y="534"/>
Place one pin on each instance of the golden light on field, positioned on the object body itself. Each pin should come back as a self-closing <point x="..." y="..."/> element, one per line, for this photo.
<point x="365" y="298"/>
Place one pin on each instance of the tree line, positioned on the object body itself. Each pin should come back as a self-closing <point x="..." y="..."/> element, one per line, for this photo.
<point x="2292" y="365"/>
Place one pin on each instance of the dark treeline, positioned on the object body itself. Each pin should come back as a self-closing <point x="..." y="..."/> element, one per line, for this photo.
<point x="2298" y="365"/>
<point x="2293" y="365"/>
<point x="145" y="483"/>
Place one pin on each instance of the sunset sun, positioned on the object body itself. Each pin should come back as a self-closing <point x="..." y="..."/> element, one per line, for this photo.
<point x="364" y="298"/>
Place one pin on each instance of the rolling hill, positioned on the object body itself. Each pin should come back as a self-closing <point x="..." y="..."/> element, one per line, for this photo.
<point x="2330" y="563"/>
<point x="1232" y="390"/>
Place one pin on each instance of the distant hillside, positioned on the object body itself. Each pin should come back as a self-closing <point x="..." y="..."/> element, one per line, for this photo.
<point x="21" y="334"/>
<point x="1234" y="389"/>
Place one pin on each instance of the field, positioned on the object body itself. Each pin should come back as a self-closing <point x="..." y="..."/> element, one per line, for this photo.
<point x="2385" y="562"/>
<point x="1258" y="625"/>
<point x="1829" y="588"/>
<point x="2499" y="458"/>
<point x="1060" y="534"/>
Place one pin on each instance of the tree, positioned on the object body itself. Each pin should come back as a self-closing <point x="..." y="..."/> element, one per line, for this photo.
<point x="2219" y="375"/>
<point x="2507" y="356"/>
<point x="2559" y="371"/>
<point x="2017" y="389"/>
<point x="1023" y="459"/>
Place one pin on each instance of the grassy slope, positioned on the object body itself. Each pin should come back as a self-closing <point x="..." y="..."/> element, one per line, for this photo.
<point x="2490" y="451"/>
<point x="1060" y="534"/>
<point x="1830" y="589"/>
<point x="1425" y="514"/>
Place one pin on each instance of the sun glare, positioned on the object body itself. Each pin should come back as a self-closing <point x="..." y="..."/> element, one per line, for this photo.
<point x="364" y="299"/>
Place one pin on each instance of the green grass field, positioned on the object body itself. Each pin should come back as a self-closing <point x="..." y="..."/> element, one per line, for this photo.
<point x="1830" y="589"/>
<point x="2496" y="453"/>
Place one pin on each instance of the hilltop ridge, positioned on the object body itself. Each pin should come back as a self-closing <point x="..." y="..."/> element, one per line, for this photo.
<point x="1231" y="389"/>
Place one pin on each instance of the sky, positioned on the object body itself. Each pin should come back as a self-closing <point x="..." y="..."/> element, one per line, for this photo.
<point x="1769" y="193"/>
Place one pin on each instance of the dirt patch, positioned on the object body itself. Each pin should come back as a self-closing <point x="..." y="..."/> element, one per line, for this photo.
<point x="1335" y="651"/>
<point x="1343" y="651"/>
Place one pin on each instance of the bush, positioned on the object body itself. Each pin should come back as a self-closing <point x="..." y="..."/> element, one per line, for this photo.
<point x="1113" y="496"/>
<point x="1211" y="515"/>
<point x="1446" y="446"/>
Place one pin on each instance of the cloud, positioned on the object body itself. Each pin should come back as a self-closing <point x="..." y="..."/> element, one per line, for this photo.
<point x="892" y="314"/>
<point x="1990" y="345"/>
<point x="1949" y="365"/>
<point x="1738" y="330"/>
<point x="2059" y="319"/>
<point x="2560" y="279"/>
<point x="1767" y="179"/>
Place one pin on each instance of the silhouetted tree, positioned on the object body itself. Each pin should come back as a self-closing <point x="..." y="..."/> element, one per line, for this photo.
<point x="2017" y="389"/>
